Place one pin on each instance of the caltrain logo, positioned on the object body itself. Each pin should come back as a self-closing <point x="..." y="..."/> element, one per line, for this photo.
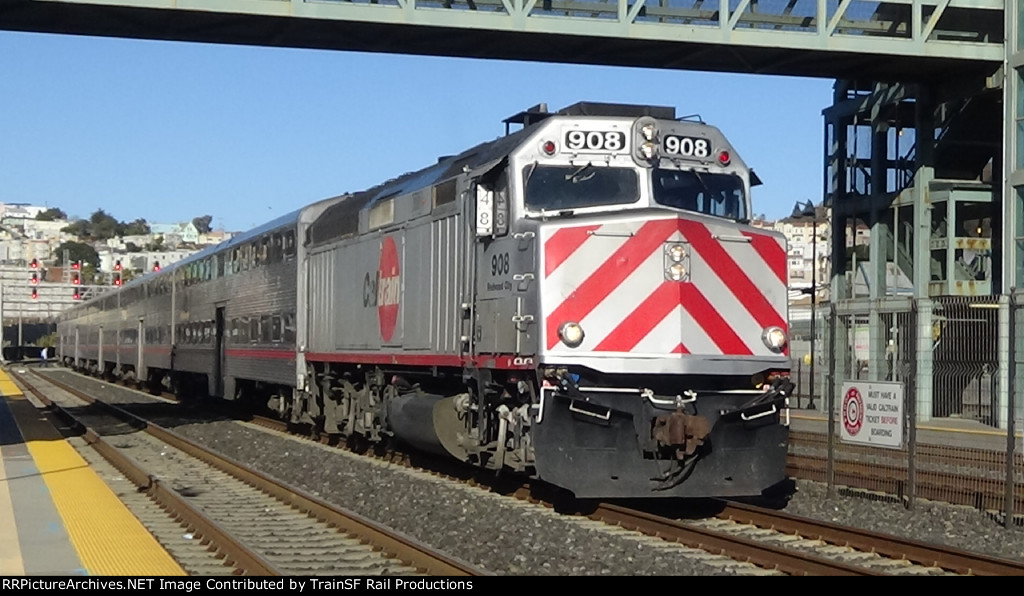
<point x="383" y="290"/>
<point x="853" y="411"/>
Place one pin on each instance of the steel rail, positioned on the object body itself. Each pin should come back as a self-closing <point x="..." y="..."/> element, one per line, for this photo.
<point x="236" y="555"/>
<point x="735" y="547"/>
<point x="962" y="562"/>
<point x="395" y="544"/>
<point x="947" y="487"/>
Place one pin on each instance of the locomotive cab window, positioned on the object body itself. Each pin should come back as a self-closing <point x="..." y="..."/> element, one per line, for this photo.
<point x="720" y="195"/>
<point x="555" y="188"/>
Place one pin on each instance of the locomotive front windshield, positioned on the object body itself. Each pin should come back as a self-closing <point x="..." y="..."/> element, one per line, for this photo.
<point x="720" y="195"/>
<point x="556" y="188"/>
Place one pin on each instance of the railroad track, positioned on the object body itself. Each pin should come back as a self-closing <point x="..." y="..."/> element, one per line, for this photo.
<point x="879" y="471"/>
<point x="250" y="523"/>
<point x="775" y="541"/>
<point x="884" y="545"/>
<point x="801" y="546"/>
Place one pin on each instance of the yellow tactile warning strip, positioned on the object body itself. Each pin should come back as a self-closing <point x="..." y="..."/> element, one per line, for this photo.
<point x="7" y="386"/>
<point x="108" y="538"/>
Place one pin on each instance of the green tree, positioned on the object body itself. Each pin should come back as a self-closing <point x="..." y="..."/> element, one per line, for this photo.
<point x="77" y="251"/>
<point x="51" y="214"/>
<point x="103" y="226"/>
<point x="138" y="227"/>
<point x="202" y="223"/>
<point x="48" y="341"/>
<point x="80" y="228"/>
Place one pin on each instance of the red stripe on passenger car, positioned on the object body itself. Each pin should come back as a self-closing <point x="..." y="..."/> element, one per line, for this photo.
<point x="562" y="244"/>
<point x="502" y="361"/>
<point x="642" y="320"/>
<point x="772" y="253"/>
<point x="732" y="275"/>
<point x="609" y="275"/>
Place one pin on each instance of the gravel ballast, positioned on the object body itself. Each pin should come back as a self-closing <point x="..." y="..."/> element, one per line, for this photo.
<point x="509" y="537"/>
<point x="487" y="530"/>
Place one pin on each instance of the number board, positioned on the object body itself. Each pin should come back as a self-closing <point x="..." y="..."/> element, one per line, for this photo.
<point x="595" y="141"/>
<point x="679" y="146"/>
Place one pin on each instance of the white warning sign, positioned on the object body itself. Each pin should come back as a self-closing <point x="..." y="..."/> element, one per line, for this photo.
<point x="872" y="413"/>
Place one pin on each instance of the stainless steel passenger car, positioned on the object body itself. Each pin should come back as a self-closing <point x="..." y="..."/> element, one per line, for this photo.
<point x="581" y="300"/>
<point x="220" y="322"/>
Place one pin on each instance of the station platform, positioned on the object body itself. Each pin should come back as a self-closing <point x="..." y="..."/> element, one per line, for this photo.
<point x="947" y="432"/>
<point x="64" y="519"/>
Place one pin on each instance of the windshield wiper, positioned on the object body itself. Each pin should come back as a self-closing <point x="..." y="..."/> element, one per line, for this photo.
<point x="528" y="173"/>
<point x="703" y="184"/>
<point x="575" y="174"/>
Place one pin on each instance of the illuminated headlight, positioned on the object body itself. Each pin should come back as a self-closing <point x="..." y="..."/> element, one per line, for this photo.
<point x="676" y="252"/>
<point x="571" y="334"/>
<point x="648" y="131"/>
<point x="676" y="272"/>
<point x="648" y="150"/>
<point x="775" y="338"/>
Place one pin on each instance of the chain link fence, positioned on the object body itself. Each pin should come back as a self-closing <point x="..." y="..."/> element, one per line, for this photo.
<point x="924" y="401"/>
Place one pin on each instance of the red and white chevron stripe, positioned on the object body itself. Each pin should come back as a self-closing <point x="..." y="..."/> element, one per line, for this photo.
<point x="610" y="278"/>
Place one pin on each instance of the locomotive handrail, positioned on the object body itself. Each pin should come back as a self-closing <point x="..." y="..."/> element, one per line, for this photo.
<point x="774" y="409"/>
<point x="606" y="416"/>
<point x="691" y="396"/>
<point x="613" y="389"/>
<point x="729" y="238"/>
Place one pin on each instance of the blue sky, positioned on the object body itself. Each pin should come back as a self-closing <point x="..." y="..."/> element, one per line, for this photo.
<point x="171" y="131"/>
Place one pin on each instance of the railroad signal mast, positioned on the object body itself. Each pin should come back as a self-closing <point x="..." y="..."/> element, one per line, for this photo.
<point x="76" y="280"/>
<point x="33" y="290"/>
<point x="33" y="279"/>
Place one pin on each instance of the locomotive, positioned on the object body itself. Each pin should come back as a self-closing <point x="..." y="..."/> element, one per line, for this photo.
<point x="581" y="300"/>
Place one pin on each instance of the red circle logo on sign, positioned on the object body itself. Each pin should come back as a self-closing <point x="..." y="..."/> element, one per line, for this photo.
<point x="853" y="411"/>
<point x="388" y="288"/>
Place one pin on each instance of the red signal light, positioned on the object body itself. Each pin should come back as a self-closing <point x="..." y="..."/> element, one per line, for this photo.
<point x="75" y="279"/>
<point x="156" y="266"/>
<point x="35" y="263"/>
<point x="76" y="265"/>
<point x="76" y="295"/>
<point x="35" y="293"/>
<point x="117" y="265"/>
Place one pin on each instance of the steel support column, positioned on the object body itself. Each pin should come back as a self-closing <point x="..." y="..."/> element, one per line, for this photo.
<point x="877" y="249"/>
<point x="925" y="127"/>
<point x="1003" y="374"/>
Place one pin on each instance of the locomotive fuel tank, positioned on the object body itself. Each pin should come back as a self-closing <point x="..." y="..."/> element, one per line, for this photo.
<point x="423" y="421"/>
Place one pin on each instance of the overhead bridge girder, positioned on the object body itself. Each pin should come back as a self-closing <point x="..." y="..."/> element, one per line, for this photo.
<point x="827" y="38"/>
